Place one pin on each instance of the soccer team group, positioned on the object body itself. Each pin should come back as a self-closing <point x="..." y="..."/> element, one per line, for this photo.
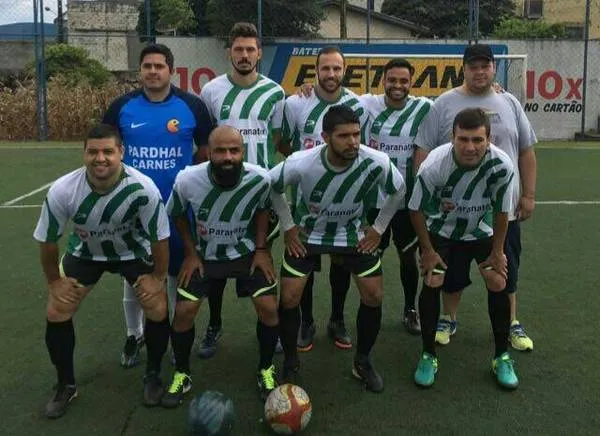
<point x="178" y="194"/>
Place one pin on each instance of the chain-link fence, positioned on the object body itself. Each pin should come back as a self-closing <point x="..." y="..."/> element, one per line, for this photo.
<point x="546" y="75"/>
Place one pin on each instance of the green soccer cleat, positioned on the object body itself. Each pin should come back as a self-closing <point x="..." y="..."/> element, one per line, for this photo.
<point x="426" y="370"/>
<point x="180" y="385"/>
<point x="504" y="369"/>
<point x="267" y="381"/>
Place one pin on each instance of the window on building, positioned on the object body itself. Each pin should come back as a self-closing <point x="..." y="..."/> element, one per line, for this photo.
<point x="533" y="8"/>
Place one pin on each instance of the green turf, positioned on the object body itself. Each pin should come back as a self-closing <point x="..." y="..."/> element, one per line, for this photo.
<point x="558" y="305"/>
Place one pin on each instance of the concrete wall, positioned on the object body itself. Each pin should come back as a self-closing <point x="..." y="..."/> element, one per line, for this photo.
<point x="15" y="56"/>
<point x="356" y="26"/>
<point x="569" y="12"/>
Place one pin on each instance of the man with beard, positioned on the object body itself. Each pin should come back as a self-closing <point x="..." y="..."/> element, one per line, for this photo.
<point x="119" y="226"/>
<point x="394" y="120"/>
<point x="512" y="133"/>
<point x="159" y="124"/>
<point x="459" y="209"/>
<point x="302" y="130"/>
<point x="253" y="104"/>
<point x="230" y="202"/>
<point x="335" y="180"/>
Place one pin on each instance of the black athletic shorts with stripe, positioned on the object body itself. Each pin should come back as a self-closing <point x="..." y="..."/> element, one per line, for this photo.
<point x="88" y="272"/>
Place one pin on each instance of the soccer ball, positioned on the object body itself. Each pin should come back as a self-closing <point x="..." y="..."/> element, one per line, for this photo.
<point x="211" y="414"/>
<point x="288" y="409"/>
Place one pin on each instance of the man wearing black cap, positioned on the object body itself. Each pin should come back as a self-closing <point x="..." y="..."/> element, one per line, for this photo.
<point x="511" y="132"/>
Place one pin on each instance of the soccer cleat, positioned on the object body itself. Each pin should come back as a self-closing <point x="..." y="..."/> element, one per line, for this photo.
<point x="180" y="385"/>
<point x="130" y="356"/>
<point x="518" y="338"/>
<point x="63" y="395"/>
<point x="336" y="330"/>
<point x="306" y="334"/>
<point x="153" y="389"/>
<point x="426" y="370"/>
<point x="291" y="373"/>
<point x="267" y="381"/>
<point x="363" y="370"/>
<point x="504" y="369"/>
<point x="445" y="328"/>
<point x="411" y="322"/>
<point x="208" y="345"/>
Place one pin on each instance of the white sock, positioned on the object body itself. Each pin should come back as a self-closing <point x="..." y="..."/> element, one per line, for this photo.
<point x="134" y="314"/>
<point x="171" y="295"/>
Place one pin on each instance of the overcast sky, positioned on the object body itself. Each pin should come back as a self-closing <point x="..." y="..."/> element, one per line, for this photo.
<point x="21" y="11"/>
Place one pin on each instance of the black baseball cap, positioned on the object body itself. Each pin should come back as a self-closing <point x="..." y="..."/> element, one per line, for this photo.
<point x="478" y="51"/>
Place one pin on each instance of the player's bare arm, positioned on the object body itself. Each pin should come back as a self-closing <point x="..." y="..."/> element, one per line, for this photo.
<point x="262" y="256"/>
<point x="419" y="156"/>
<point x="191" y="260"/>
<point x="528" y="172"/>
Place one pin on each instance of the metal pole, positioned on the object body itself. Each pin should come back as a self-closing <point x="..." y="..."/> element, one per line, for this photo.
<point x="259" y="28"/>
<point x="148" y="13"/>
<point x="476" y="21"/>
<point x="586" y="37"/>
<point x="470" y="22"/>
<point x="38" y="74"/>
<point x="343" y="28"/>
<point x="43" y="79"/>
<point x="60" y="22"/>
<point x="369" y="10"/>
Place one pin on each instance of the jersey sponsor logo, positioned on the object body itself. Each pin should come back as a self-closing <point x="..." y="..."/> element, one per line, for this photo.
<point x="136" y="125"/>
<point x="308" y="143"/>
<point x="373" y="144"/>
<point x="153" y="157"/>
<point x="314" y="208"/>
<point x="202" y="229"/>
<point x="80" y="217"/>
<point x="253" y="132"/>
<point x="173" y="125"/>
<point x="81" y="233"/>
<point x="389" y="148"/>
<point x="447" y="206"/>
<point x="477" y="208"/>
<point x="225" y="110"/>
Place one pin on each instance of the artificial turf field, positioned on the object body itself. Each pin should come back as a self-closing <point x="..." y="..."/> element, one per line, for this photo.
<point x="558" y="305"/>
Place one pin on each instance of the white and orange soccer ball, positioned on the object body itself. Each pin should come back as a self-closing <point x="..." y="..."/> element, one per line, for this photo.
<point x="288" y="409"/>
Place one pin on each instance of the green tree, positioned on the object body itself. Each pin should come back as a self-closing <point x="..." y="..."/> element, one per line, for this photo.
<point x="290" y="18"/>
<point x="520" y="28"/>
<point x="180" y="17"/>
<point x="449" y="18"/>
<point x="74" y="65"/>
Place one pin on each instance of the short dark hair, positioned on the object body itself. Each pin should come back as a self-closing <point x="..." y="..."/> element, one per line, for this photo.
<point x="399" y="63"/>
<point x="158" y="49"/>
<point x="471" y="118"/>
<point x="243" y="29"/>
<point x="328" y="49"/>
<point x="339" y="114"/>
<point x="103" y="131"/>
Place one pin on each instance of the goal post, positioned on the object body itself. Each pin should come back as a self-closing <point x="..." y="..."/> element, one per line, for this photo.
<point x="436" y="73"/>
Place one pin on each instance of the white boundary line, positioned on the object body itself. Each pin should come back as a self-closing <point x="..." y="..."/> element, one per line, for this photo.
<point x="21" y="206"/>
<point x="39" y="147"/>
<point x="29" y="194"/>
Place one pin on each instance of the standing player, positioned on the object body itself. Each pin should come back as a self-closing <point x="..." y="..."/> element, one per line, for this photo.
<point x="335" y="180"/>
<point x="253" y="104"/>
<point x="302" y="130"/>
<point x="159" y="124"/>
<point x="394" y="119"/>
<point x="459" y="209"/>
<point x="119" y="221"/>
<point x="511" y="132"/>
<point x="229" y="199"/>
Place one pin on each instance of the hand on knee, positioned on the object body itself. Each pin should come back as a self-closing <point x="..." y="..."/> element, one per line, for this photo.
<point x="59" y="312"/>
<point x="494" y="281"/>
<point x="434" y="278"/>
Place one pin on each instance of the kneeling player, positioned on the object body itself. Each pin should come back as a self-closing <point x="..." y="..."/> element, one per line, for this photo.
<point x="335" y="180"/>
<point x="119" y="220"/>
<point x="459" y="209"/>
<point x="229" y="200"/>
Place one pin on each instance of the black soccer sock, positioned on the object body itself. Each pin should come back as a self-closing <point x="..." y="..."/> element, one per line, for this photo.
<point x="339" y="280"/>
<point x="429" y="312"/>
<point x="156" y="334"/>
<point x="368" y="323"/>
<point x="409" y="276"/>
<point x="60" y="341"/>
<point x="182" y="343"/>
<point x="289" y="322"/>
<point x="267" y="341"/>
<point x="499" y="311"/>
<point x="215" y="305"/>
<point x="306" y="301"/>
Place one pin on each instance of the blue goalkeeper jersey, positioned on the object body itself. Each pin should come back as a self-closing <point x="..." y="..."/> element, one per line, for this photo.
<point x="159" y="137"/>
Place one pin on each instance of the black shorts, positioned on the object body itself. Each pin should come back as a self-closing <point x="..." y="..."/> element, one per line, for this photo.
<point x="273" y="230"/>
<point x="359" y="264"/>
<point x="458" y="255"/>
<point x="512" y="250"/>
<point x="215" y="278"/>
<point x="400" y="229"/>
<point x="88" y="272"/>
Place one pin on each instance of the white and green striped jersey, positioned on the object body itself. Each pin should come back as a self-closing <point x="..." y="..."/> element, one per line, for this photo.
<point x="256" y="111"/>
<point x="223" y="219"/>
<point x="332" y="208"/>
<point x="115" y="226"/>
<point x="459" y="203"/>
<point x="393" y="131"/>
<point x="303" y="118"/>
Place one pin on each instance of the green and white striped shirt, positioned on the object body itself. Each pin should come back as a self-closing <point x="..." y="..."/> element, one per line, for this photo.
<point x="393" y="132"/>
<point x="303" y="118"/>
<point x="458" y="202"/>
<point x="223" y="219"/>
<point x="115" y="226"/>
<point x="256" y="111"/>
<point x="332" y="208"/>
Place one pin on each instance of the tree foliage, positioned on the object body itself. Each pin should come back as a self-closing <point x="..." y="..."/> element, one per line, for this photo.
<point x="179" y="17"/>
<point x="449" y="18"/>
<point x="279" y="17"/>
<point x="520" y="28"/>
